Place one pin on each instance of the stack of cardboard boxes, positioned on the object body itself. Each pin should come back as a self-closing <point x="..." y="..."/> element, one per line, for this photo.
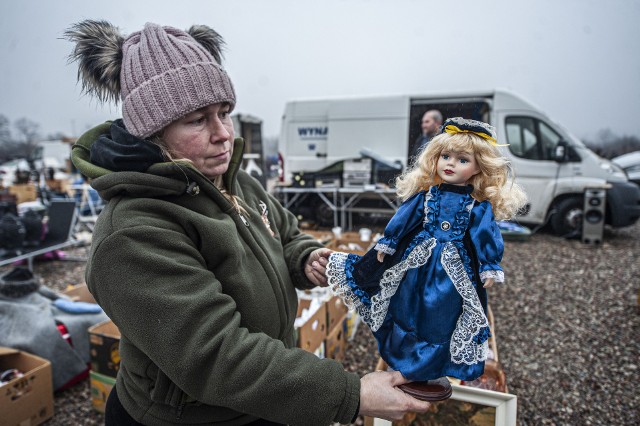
<point x="104" y="344"/>
<point x="325" y="329"/>
<point x="104" y="341"/>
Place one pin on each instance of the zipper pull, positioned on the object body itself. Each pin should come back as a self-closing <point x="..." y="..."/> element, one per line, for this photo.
<point x="179" y="410"/>
<point x="244" y="220"/>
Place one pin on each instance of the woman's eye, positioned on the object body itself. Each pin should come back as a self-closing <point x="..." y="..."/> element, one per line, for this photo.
<point x="464" y="160"/>
<point x="445" y="157"/>
<point x="197" y="120"/>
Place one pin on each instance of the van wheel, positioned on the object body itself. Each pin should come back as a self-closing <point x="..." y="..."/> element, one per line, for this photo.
<point x="567" y="219"/>
<point x="322" y="213"/>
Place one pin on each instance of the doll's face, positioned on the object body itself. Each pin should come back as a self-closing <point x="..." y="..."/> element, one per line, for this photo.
<point x="457" y="168"/>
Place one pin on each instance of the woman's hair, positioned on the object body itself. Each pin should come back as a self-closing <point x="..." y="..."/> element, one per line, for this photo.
<point x="495" y="182"/>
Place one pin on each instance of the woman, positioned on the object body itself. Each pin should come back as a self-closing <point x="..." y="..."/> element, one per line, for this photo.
<point x="193" y="261"/>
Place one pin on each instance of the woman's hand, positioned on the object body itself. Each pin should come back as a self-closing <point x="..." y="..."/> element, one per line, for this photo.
<point x="380" y="256"/>
<point x="488" y="282"/>
<point x="315" y="268"/>
<point x="379" y="396"/>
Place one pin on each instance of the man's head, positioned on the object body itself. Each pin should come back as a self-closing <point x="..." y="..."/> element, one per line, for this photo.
<point x="431" y="122"/>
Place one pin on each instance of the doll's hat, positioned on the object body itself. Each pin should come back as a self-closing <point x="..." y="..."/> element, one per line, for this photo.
<point x="464" y="125"/>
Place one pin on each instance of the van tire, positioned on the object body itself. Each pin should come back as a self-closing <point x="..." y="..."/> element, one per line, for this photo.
<point x="322" y="213"/>
<point x="566" y="221"/>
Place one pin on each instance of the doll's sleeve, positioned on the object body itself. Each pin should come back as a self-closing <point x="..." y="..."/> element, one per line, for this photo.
<point x="409" y="214"/>
<point x="488" y="242"/>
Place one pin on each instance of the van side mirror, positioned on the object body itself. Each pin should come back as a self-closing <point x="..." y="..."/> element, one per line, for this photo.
<point x="560" y="152"/>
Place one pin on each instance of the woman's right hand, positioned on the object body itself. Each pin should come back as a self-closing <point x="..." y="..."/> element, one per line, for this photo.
<point x="380" y="256"/>
<point x="380" y="397"/>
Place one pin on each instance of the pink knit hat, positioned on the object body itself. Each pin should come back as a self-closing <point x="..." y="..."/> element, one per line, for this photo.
<point x="160" y="73"/>
<point x="165" y="75"/>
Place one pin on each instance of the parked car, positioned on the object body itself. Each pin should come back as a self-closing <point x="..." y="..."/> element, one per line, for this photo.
<point x="630" y="163"/>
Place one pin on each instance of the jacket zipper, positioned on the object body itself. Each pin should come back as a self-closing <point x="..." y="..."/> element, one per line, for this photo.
<point x="179" y="410"/>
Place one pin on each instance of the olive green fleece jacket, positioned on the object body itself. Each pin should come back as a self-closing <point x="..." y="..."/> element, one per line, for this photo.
<point x="205" y="299"/>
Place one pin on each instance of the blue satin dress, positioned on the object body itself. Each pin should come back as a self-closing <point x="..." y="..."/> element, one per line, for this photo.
<point x="425" y="304"/>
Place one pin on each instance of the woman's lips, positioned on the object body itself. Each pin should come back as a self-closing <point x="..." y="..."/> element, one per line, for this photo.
<point x="448" y="172"/>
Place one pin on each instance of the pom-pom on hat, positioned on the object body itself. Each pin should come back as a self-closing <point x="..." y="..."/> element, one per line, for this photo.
<point x="159" y="73"/>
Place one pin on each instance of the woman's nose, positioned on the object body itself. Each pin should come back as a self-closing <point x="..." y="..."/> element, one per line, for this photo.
<point x="219" y="132"/>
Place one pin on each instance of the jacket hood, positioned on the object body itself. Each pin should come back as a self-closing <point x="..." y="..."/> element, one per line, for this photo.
<point x="112" y="158"/>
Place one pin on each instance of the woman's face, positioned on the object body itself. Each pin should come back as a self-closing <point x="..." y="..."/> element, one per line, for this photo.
<point x="205" y="137"/>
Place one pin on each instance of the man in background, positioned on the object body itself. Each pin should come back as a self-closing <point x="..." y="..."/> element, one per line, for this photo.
<point x="431" y="122"/>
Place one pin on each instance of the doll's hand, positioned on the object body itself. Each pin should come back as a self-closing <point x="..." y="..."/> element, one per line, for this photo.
<point x="488" y="282"/>
<point x="380" y="256"/>
<point x="380" y="397"/>
<point x="315" y="268"/>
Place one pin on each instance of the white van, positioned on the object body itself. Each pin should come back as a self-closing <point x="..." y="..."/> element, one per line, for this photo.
<point x="552" y="165"/>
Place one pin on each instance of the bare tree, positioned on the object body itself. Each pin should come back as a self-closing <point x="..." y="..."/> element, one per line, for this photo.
<point x="27" y="136"/>
<point x="609" y="145"/>
<point x="5" y="131"/>
<point x="7" y="145"/>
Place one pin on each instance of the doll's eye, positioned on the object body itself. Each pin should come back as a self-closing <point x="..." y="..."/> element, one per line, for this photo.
<point x="445" y="156"/>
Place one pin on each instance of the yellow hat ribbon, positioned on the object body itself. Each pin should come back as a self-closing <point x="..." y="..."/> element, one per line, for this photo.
<point x="451" y="129"/>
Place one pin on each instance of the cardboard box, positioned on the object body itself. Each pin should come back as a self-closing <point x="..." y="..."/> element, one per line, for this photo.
<point x="352" y="323"/>
<point x="79" y="293"/>
<point x="24" y="192"/>
<point x="336" y="311"/>
<point x="104" y="342"/>
<point x="101" y="386"/>
<point x="26" y="400"/>
<point x="60" y="186"/>
<point x="350" y="242"/>
<point x="311" y="333"/>
<point x="336" y="342"/>
<point x="323" y="237"/>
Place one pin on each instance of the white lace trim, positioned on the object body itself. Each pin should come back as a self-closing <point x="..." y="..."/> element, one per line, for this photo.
<point x="498" y="276"/>
<point x="384" y="248"/>
<point x="374" y="315"/>
<point x="427" y="197"/>
<point x="471" y="204"/>
<point x="338" y="284"/>
<point x="393" y="276"/>
<point x="472" y="319"/>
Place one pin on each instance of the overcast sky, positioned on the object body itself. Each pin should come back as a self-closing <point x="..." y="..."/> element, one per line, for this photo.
<point x="578" y="60"/>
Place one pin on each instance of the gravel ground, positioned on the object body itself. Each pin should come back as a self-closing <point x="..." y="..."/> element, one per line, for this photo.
<point x="567" y="328"/>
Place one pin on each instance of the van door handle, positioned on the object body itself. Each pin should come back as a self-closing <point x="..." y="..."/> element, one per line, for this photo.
<point x="321" y="154"/>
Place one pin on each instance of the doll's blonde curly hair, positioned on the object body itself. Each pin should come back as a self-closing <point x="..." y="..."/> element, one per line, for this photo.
<point x="495" y="182"/>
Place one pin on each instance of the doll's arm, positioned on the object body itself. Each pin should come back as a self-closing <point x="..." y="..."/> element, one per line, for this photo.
<point x="409" y="214"/>
<point x="488" y="242"/>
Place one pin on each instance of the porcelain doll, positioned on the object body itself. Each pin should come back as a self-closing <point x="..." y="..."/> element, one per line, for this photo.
<point x="422" y="288"/>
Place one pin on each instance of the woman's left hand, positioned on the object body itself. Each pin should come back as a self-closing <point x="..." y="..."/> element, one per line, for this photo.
<point x="488" y="282"/>
<point x="315" y="268"/>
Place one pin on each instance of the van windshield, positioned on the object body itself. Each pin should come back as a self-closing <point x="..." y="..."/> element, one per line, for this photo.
<point x="572" y="138"/>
